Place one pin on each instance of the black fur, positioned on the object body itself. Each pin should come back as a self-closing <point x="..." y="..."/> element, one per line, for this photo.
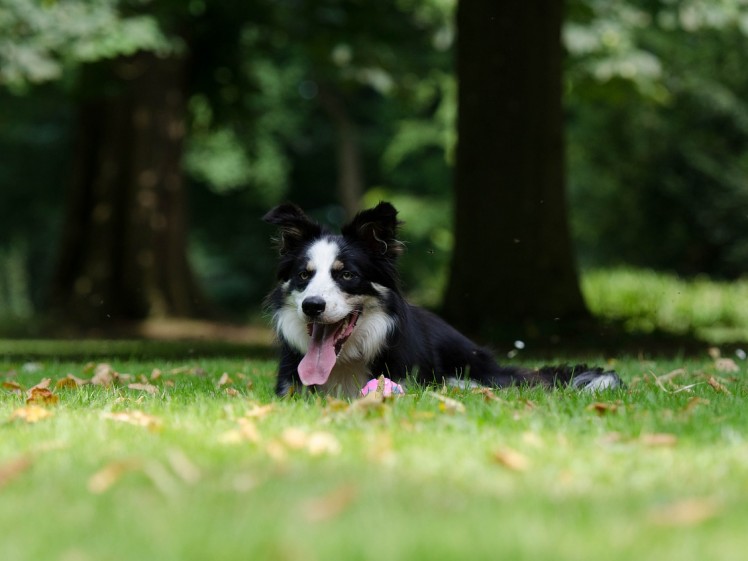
<point x="421" y="345"/>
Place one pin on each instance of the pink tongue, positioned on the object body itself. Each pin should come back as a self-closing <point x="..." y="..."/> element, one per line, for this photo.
<point x="315" y="367"/>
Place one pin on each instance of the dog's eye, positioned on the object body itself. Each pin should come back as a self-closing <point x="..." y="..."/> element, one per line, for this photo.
<point x="347" y="275"/>
<point x="304" y="275"/>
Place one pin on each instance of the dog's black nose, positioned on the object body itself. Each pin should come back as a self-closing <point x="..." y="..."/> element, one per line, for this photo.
<point x="313" y="306"/>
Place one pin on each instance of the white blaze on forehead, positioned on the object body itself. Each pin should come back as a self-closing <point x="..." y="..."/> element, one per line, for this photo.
<point x="322" y="255"/>
<point x="322" y="258"/>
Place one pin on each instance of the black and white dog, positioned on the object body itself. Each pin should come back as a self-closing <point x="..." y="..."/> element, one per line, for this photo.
<point x="341" y="318"/>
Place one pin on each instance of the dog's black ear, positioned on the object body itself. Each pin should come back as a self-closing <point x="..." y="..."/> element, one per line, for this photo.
<point x="377" y="228"/>
<point x="294" y="226"/>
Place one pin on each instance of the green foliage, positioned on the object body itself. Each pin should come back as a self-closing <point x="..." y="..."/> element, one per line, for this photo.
<point x="657" y="127"/>
<point x="658" y="136"/>
<point x="40" y="40"/>
<point x="191" y="472"/>
<point x="646" y="300"/>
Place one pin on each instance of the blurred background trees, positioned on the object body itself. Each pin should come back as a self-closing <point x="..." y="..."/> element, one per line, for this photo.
<point x="334" y="103"/>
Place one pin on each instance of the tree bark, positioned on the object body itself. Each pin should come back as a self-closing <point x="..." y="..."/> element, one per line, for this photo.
<point x="348" y="151"/>
<point x="513" y="269"/>
<point x="123" y="251"/>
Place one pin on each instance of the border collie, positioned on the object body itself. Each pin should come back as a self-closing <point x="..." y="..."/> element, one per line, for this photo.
<point x="341" y="318"/>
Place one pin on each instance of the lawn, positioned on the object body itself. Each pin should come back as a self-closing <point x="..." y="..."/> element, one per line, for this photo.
<point x="193" y="458"/>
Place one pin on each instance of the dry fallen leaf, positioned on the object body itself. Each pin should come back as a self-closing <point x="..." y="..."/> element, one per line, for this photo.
<point x="12" y="469"/>
<point x="12" y="387"/>
<point x="602" y="408"/>
<point x="41" y="393"/>
<point x="225" y="380"/>
<point x="137" y="418"/>
<point x="184" y="467"/>
<point x="329" y="506"/>
<point x="671" y="375"/>
<point x="316" y="443"/>
<point x="695" y="402"/>
<point x="32" y="413"/>
<point x="334" y="405"/>
<point x="726" y="365"/>
<point x="260" y="411"/>
<point x="687" y="512"/>
<point x="149" y="388"/>
<point x="718" y="387"/>
<point x="511" y="459"/>
<point x="487" y="393"/>
<point x="320" y="443"/>
<point x="104" y="375"/>
<point x="71" y="381"/>
<point x="110" y="474"/>
<point x="658" y="439"/>
<point x="447" y="404"/>
<point x="247" y="432"/>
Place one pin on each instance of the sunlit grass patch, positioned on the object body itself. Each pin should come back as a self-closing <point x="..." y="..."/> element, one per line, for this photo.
<point x="647" y="300"/>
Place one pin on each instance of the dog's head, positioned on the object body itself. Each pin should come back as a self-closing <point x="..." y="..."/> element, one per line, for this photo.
<point x="333" y="289"/>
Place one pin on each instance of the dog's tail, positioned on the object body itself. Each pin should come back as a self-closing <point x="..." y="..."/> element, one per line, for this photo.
<point x="484" y="370"/>
<point x="578" y="376"/>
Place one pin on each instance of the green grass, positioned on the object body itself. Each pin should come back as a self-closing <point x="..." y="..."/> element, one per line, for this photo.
<point x="530" y="475"/>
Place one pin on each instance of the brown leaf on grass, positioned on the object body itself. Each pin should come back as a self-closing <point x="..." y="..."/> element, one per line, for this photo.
<point x="225" y="380"/>
<point x="658" y="439"/>
<point x="447" y="404"/>
<point x="12" y="469"/>
<point x="104" y="375"/>
<point x="533" y="439"/>
<point x="107" y="476"/>
<point x="714" y="352"/>
<point x="718" y="387"/>
<point x="694" y="402"/>
<point x="329" y="506"/>
<point x="12" y="386"/>
<point x="246" y="432"/>
<point x="260" y="411"/>
<point x="189" y="370"/>
<point x="602" y="408"/>
<point x="726" y="365"/>
<point x="334" y="405"/>
<point x="686" y="512"/>
<point x="511" y="459"/>
<point x="671" y="375"/>
<point x="71" y="382"/>
<point x="149" y="388"/>
<point x="232" y="392"/>
<point x="487" y="393"/>
<point x="32" y="413"/>
<point x="137" y="418"/>
<point x="185" y="469"/>
<point x="316" y="443"/>
<point x="41" y="394"/>
<point x="610" y="438"/>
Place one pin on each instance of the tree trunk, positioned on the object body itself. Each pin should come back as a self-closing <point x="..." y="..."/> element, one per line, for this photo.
<point x="123" y="254"/>
<point x="513" y="270"/>
<point x="348" y="151"/>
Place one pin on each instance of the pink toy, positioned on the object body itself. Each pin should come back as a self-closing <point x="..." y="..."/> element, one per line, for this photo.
<point x="390" y="387"/>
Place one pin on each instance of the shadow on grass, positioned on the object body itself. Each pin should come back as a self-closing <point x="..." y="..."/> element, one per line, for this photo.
<point x="595" y="337"/>
<point x="190" y="339"/>
<point x="158" y="339"/>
